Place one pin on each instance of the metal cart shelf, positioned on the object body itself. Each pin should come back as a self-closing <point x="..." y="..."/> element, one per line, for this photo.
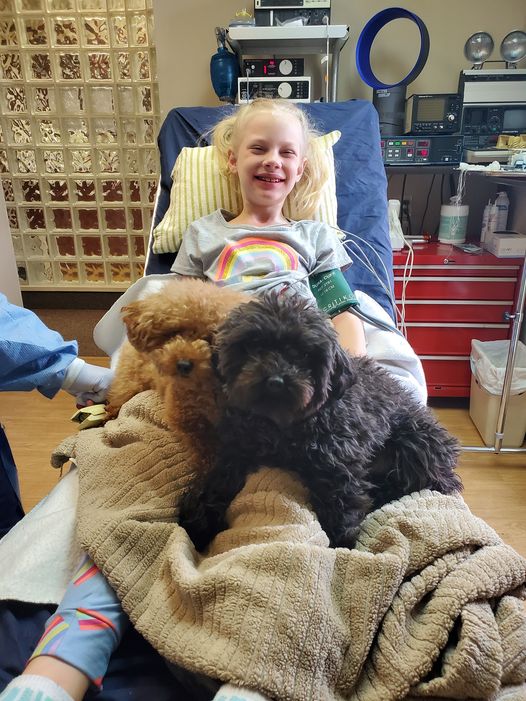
<point x="256" y="41"/>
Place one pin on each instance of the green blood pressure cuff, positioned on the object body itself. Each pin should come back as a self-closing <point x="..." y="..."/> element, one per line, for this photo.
<point x="332" y="292"/>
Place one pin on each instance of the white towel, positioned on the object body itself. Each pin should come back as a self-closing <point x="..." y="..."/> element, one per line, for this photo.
<point x="39" y="555"/>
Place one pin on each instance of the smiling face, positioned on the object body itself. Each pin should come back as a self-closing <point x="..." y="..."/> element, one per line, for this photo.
<point x="268" y="160"/>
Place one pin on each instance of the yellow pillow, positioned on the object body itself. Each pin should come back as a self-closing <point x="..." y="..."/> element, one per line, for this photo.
<point x="199" y="189"/>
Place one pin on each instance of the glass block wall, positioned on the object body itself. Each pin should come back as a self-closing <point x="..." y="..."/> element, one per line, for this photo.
<point x="79" y="118"/>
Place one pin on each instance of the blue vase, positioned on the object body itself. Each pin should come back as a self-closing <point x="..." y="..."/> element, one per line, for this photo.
<point x="224" y="72"/>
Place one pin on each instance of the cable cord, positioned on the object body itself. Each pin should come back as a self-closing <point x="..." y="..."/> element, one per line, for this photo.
<point x="421" y="230"/>
<point x="367" y="263"/>
<point x="406" y="276"/>
<point x="402" y="197"/>
<point x="248" y="85"/>
<point x="461" y="189"/>
<point x="357" y="253"/>
<point x="326" y="22"/>
<point x="387" y="289"/>
<point x="383" y="325"/>
<point x="367" y="318"/>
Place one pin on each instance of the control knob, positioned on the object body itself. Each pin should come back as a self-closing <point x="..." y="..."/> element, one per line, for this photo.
<point x="285" y="67"/>
<point x="494" y="123"/>
<point x="284" y="90"/>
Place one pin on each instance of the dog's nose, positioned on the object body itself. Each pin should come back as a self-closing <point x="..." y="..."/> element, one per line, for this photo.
<point x="275" y="384"/>
<point x="184" y="367"/>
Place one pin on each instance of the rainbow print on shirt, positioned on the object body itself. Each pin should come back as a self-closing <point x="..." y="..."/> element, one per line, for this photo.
<point x="255" y="257"/>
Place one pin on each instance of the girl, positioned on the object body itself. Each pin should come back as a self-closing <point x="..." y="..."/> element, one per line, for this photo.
<point x="266" y="150"/>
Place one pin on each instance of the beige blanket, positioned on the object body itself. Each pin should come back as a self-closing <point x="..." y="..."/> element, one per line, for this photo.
<point x="427" y="605"/>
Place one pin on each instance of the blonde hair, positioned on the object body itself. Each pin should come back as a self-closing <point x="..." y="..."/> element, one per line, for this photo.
<point x="304" y="198"/>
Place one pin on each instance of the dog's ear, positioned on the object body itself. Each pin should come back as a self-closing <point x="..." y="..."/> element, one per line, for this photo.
<point x="343" y="372"/>
<point x="334" y="374"/>
<point x="149" y="325"/>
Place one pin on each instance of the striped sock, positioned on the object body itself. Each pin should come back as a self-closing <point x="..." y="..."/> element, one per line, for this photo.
<point x="33" y="687"/>
<point x="229" y="692"/>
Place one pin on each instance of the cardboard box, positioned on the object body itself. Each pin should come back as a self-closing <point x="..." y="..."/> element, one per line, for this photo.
<point x="506" y="244"/>
<point x="484" y="412"/>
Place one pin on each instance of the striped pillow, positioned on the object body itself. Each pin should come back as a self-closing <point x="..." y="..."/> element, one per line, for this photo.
<point x="199" y="189"/>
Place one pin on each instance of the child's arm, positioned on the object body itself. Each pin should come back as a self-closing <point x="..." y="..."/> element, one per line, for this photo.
<point x="76" y="646"/>
<point x="69" y="678"/>
<point x="351" y="333"/>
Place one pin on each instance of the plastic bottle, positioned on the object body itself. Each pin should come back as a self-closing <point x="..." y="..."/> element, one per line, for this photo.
<point x="395" y="229"/>
<point x="492" y="223"/>
<point x="453" y="222"/>
<point x="503" y="205"/>
<point x="484" y="227"/>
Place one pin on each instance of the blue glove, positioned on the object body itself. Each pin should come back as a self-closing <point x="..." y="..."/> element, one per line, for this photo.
<point x="87" y="382"/>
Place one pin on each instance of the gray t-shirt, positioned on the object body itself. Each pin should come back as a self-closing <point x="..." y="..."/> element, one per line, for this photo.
<point x="256" y="259"/>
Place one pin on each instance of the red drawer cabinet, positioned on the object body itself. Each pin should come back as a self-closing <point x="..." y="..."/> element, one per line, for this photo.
<point x="458" y="287"/>
<point x="452" y="297"/>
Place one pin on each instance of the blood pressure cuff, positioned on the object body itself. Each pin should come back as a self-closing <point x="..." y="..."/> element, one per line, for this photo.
<point x="332" y="292"/>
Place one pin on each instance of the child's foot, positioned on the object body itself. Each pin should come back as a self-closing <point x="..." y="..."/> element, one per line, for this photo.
<point x="32" y="687"/>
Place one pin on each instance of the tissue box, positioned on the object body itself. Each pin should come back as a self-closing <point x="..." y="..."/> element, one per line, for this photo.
<point x="506" y="244"/>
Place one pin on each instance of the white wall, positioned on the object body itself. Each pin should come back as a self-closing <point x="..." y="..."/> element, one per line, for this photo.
<point x="184" y="35"/>
<point x="8" y="273"/>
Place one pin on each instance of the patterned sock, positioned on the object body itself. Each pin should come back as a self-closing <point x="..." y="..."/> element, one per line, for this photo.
<point x="33" y="687"/>
<point x="229" y="692"/>
<point x="87" y="625"/>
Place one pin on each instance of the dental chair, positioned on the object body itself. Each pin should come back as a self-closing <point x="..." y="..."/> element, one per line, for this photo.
<point x="136" y="671"/>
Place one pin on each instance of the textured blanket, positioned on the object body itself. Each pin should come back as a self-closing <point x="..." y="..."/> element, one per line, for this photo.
<point x="427" y="605"/>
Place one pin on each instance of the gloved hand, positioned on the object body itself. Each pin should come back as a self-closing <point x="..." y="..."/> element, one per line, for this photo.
<point x="87" y="382"/>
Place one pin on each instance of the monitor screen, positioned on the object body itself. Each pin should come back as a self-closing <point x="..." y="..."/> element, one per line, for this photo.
<point x="514" y="120"/>
<point x="475" y="117"/>
<point x="431" y="109"/>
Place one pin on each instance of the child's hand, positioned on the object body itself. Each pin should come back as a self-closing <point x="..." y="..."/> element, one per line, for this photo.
<point x="88" y="383"/>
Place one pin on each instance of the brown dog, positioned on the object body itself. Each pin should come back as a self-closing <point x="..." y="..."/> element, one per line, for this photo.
<point x="169" y="349"/>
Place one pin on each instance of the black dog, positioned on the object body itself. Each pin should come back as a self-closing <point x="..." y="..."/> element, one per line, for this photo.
<point x="296" y="400"/>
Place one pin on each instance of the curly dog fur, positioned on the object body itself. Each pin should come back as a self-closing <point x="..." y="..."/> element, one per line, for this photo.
<point x="296" y="400"/>
<point x="169" y="349"/>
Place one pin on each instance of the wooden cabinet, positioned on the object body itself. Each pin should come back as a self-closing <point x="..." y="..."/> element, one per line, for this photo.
<point x="450" y="298"/>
